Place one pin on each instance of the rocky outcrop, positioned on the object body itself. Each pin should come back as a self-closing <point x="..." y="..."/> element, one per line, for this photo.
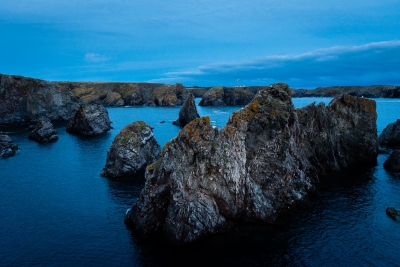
<point x="7" y="147"/>
<point x="391" y="134"/>
<point x="188" y="112"/>
<point x="90" y="119"/>
<point x="266" y="158"/>
<point x="131" y="94"/>
<point x="393" y="162"/>
<point x="131" y="151"/>
<point x="223" y="96"/>
<point x="43" y="132"/>
<point x="24" y="100"/>
<point x="372" y="91"/>
<point x="393" y="213"/>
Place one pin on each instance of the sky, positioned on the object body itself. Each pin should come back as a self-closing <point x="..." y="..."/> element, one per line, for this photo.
<point x="307" y="44"/>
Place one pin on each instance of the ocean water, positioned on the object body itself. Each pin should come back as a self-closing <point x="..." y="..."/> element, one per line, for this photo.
<point x="56" y="209"/>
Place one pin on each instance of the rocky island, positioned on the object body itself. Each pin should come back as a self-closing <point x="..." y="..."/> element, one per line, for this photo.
<point x="267" y="158"/>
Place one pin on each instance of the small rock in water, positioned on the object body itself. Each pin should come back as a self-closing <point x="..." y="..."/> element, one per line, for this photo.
<point x="393" y="213"/>
<point x="7" y="147"/>
<point x="391" y="134"/>
<point x="43" y="132"/>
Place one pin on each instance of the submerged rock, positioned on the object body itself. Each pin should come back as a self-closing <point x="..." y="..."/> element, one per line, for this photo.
<point x="393" y="162"/>
<point x="43" y="132"/>
<point x="393" y="213"/>
<point x="391" y="134"/>
<point x="266" y="158"/>
<point x="90" y="119"/>
<point x="188" y="112"/>
<point x="131" y="151"/>
<point x="7" y="147"/>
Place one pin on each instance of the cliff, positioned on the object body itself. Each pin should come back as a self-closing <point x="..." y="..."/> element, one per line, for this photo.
<point x="373" y="91"/>
<point x="267" y="157"/>
<point x="24" y="100"/>
<point x="132" y="94"/>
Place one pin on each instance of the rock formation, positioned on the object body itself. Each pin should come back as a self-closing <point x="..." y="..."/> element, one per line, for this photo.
<point x="43" y="132"/>
<point x="7" y="147"/>
<point x="393" y="162"/>
<point x="266" y="158"/>
<point x="223" y="96"/>
<point x="188" y="112"/>
<point x="393" y="213"/>
<point x="131" y="151"/>
<point x="90" y="119"/>
<point x="373" y="91"/>
<point x="131" y="94"/>
<point x="391" y="134"/>
<point x="23" y="100"/>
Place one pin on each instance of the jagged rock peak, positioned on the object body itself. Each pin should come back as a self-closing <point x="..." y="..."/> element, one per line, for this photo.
<point x="90" y="119"/>
<point x="43" y="131"/>
<point x="188" y="112"/>
<point x="266" y="158"/>
<point x="131" y="150"/>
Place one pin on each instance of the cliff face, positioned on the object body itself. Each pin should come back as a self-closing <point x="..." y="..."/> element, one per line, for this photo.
<point x="223" y="96"/>
<point x="24" y="100"/>
<point x="373" y="91"/>
<point x="267" y="157"/>
<point x="132" y="94"/>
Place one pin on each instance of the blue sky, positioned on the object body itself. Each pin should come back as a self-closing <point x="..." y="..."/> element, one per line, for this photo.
<point x="304" y="43"/>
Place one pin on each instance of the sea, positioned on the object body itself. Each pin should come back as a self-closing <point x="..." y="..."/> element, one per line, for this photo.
<point x="56" y="209"/>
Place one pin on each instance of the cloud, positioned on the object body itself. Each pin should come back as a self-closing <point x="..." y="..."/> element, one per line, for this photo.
<point x="95" y="58"/>
<point x="376" y="62"/>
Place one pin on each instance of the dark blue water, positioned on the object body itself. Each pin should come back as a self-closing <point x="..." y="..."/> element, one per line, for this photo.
<point x="56" y="209"/>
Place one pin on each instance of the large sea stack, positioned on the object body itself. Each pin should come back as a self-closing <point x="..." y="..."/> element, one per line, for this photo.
<point x="90" y="119"/>
<point x="24" y="100"/>
<point x="131" y="151"/>
<point x="188" y="112"/>
<point x="266" y="158"/>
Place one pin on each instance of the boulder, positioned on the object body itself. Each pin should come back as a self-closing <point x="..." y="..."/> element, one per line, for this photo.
<point x="391" y="134"/>
<point x="43" y="132"/>
<point x="90" y="119"/>
<point x="393" y="213"/>
<point x="393" y="162"/>
<point x="223" y="96"/>
<point x="7" y="147"/>
<point x="188" y="112"/>
<point x="24" y="100"/>
<point x="267" y="158"/>
<point x="131" y="151"/>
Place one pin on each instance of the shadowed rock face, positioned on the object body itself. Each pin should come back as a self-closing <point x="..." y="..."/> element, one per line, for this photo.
<point x="43" y="132"/>
<point x="90" y="119"/>
<point x="266" y="158"/>
<point x="7" y="147"/>
<point x="24" y="100"/>
<point x="188" y="112"/>
<point x="131" y="151"/>
<point x="393" y="162"/>
<point x="391" y="134"/>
